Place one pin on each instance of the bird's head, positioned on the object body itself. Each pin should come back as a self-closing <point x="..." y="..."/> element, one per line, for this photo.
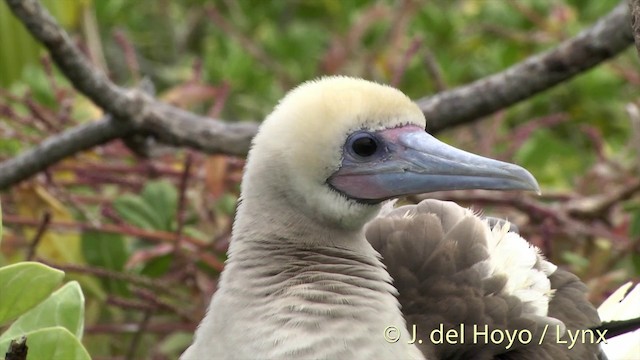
<point x="335" y="148"/>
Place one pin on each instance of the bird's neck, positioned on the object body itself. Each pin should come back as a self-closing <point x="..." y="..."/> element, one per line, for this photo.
<point x="267" y="213"/>
<point x="307" y="297"/>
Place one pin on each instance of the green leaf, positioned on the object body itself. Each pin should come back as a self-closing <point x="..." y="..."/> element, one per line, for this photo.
<point x="53" y="343"/>
<point x="65" y="308"/>
<point x="162" y="197"/>
<point x="0" y="223"/>
<point x="158" y="266"/>
<point x="23" y="286"/>
<point x="108" y="251"/>
<point x="155" y="209"/>
<point x="576" y="260"/>
<point x="137" y="211"/>
<point x="227" y="204"/>
<point x="104" y="250"/>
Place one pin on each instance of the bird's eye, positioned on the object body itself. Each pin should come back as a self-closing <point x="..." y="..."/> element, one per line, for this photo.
<point x="363" y="144"/>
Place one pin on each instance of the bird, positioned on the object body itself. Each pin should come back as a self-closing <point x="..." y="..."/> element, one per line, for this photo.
<point x="322" y="264"/>
<point x="622" y="310"/>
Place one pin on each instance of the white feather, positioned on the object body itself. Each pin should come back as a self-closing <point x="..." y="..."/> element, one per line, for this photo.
<point x="512" y="255"/>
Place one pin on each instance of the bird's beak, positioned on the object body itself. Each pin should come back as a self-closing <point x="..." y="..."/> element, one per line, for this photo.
<point x="415" y="162"/>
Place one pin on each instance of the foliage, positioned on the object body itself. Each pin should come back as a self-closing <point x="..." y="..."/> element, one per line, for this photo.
<point x="145" y="237"/>
<point x="19" y="48"/>
<point x="52" y="321"/>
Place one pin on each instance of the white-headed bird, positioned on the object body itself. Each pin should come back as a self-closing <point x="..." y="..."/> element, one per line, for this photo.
<point x="316" y="270"/>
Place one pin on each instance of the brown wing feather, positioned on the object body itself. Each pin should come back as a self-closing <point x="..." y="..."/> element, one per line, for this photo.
<point x="430" y="250"/>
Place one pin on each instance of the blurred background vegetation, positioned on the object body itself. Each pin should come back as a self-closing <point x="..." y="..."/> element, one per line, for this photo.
<point x="146" y="237"/>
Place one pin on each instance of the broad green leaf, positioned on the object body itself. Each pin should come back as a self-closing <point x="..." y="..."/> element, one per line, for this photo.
<point x="52" y="343"/>
<point x="155" y="209"/>
<point x="107" y="251"/>
<point x="162" y="196"/>
<point x="104" y="250"/>
<point x="65" y="308"/>
<point x="137" y="212"/>
<point x="0" y="223"/>
<point x="23" y="286"/>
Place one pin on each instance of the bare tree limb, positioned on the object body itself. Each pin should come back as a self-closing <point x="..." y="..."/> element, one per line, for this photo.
<point x="606" y="38"/>
<point x="84" y="76"/>
<point x="135" y="112"/>
<point x="634" y="8"/>
<point x="178" y="127"/>
<point x="60" y="146"/>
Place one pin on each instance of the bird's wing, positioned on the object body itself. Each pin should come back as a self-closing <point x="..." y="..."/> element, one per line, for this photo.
<point x="623" y="308"/>
<point x="450" y="270"/>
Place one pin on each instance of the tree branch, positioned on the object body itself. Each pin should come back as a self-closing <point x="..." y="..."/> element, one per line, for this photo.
<point x="135" y="112"/>
<point x="605" y="39"/>
<point x="174" y="126"/>
<point x="60" y="146"/>
<point x="634" y="8"/>
<point x="88" y="79"/>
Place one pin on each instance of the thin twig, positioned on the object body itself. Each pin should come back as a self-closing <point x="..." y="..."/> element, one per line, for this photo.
<point x="33" y="245"/>
<point x="595" y="206"/>
<point x="156" y="285"/>
<point x="41" y="113"/>
<point x="434" y="69"/>
<point x="181" y="203"/>
<point x="162" y="328"/>
<point x="401" y="68"/>
<point x="150" y="235"/>
<point x="153" y="299"/>
<point x="128" y="303"/>
<point x="135" y="342"/>
<point x="129" y="53"/>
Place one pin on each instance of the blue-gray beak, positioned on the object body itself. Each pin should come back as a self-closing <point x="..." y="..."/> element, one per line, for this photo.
<point x="410" y="161"/>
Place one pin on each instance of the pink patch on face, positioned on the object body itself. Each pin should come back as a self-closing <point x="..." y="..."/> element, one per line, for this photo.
<point x="359" y="186"/>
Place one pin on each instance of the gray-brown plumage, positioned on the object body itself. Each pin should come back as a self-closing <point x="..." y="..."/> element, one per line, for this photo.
<point x="431" y="250"/>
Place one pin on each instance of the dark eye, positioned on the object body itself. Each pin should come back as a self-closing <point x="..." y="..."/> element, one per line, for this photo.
<point x="363" y="144"/>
